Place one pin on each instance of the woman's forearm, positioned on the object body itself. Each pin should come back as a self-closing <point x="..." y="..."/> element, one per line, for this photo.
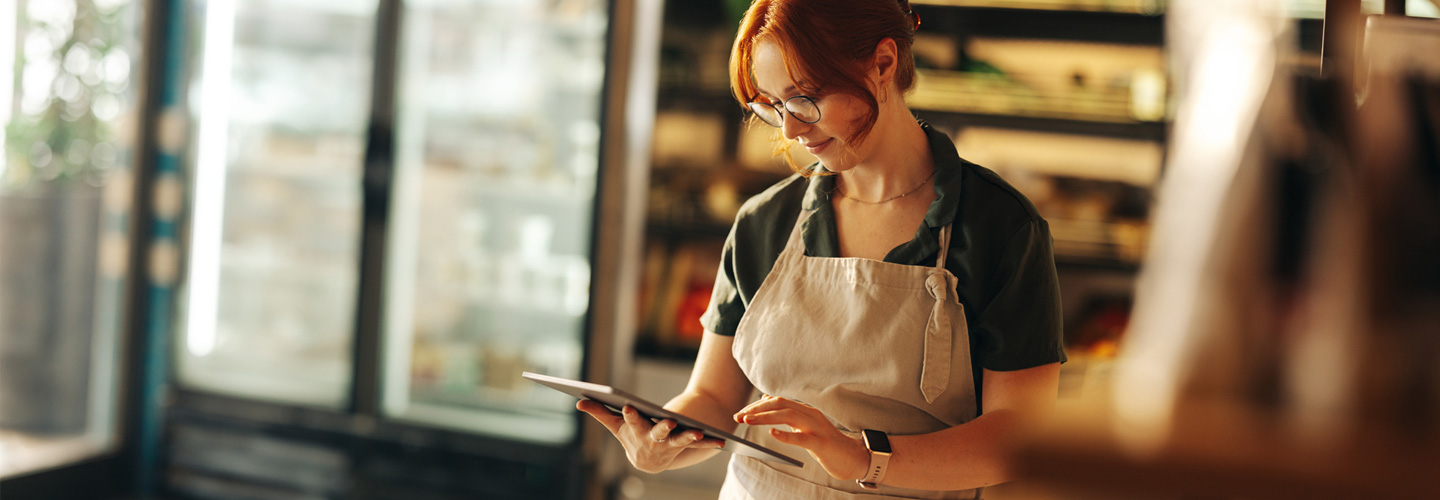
<point x="963" y="457"/>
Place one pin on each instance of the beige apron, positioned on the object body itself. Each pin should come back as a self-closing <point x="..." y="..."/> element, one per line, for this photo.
<point x="872" y="344"/>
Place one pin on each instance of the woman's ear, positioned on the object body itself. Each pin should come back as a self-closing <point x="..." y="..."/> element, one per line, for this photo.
<point x="885" y="60"/>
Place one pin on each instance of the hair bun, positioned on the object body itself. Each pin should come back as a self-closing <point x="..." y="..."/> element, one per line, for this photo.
<point x="905" y="8"/>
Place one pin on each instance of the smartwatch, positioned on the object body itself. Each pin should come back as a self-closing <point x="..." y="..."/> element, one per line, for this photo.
<point x="879" y="445"/>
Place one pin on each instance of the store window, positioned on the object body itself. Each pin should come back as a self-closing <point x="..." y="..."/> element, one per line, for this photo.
<point x="67" y="68"/>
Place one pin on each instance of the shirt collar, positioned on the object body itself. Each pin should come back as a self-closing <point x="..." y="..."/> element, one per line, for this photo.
<point x="947" y="180"/>
<point x="948" y="175"/>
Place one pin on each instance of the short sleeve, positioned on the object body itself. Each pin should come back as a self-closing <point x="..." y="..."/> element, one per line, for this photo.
<point x="727" y="306"/>
<point x="1021" y="323"/>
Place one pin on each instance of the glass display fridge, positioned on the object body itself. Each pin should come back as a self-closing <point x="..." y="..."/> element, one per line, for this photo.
<point x="395" y="209"/>
<point x="279" y="96"/>
<point x="498" y="140"/>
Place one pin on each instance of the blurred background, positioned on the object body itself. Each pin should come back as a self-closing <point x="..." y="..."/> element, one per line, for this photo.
<point x="304" y="249"/>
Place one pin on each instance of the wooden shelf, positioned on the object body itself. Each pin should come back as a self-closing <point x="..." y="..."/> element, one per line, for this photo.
<point x="1048" y="24"/>
<point x="1146" y="7"/>
<point x="1147" y="131"/>
<point x="648" y="346"/>
<point x="717" y="100"/>
<point x="702" y="230"/>
<point x="1020" y="96"/>
<point x="1064" y="262"/>
<point x="1221" y="449"/>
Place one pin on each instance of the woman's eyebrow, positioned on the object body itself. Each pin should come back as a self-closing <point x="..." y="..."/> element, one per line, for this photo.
<point x="765" y="94"/>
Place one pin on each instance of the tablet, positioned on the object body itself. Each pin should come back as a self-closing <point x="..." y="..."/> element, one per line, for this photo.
<point x="614" y="399"/>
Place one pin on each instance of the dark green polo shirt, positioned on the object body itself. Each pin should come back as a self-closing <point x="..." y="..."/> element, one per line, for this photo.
<point x="1000" y="251"/>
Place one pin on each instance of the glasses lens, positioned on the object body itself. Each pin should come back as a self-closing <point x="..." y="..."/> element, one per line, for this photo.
<point x="803" y="109"/>
<point x="766" y="113"/>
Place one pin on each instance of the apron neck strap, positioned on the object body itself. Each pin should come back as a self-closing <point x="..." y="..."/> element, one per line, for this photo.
<point x="944" y="246"/>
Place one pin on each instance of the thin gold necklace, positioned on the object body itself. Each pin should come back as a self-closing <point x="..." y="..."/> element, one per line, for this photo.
<point x="892" y="198"/>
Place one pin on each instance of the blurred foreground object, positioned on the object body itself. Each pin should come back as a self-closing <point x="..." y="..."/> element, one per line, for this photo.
<point x="1284" y="341"/>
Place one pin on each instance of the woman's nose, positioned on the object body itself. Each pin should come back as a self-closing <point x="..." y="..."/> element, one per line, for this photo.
<point x="791" y="126"/>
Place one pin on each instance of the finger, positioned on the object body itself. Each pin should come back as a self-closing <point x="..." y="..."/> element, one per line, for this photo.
<point x="639" y="423"/>
<point x="771" y="403"/>
<point x="684" y="439"/>
<point x="709" y="443"/>
<point x="695" y="439"/>
<point x="806" y="440"/>
<point x="604" y="415"/>
<point x="764" y="398"/>
<point x="661" y="430"/>
<point x="784" y="416"/>
<point x="763" y="404"/>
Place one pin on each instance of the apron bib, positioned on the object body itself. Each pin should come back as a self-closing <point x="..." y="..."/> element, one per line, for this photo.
<point x="872" y="344"/>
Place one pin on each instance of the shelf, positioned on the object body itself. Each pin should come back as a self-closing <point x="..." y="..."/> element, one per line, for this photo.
<point x="1118" y="27"/>
<point x="716" y="100"/>
<point x="978" y="94"/>
<point x="559" y="306"/>
<point x="1146" y="7"/>
<point x="1148" y="131"/>
<point x="677" y="231"/>
<point x="648" y="346"/>
<point x="1108" y="244"/>
<point x="1221" y="449"/>
<point x="523" y="400"/>
<point x="1075" y="262"/>
<point x="530" y="191"/>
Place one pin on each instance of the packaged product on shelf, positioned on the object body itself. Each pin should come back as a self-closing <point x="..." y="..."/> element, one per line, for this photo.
<point x="460" y="366"/>
<point x="690" y="279"/>
<point x="688" y="139"/>
<point x="501" y="363"/>
<point x="657" y="259"/>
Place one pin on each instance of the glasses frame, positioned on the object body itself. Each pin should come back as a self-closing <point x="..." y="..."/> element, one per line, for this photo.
<point x="786" y="111"/>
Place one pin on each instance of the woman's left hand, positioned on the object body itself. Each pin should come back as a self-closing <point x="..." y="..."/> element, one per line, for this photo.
<point x="842" y="456"/>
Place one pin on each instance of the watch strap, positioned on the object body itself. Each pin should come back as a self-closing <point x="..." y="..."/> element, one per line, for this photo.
<point x="878" y="462"/>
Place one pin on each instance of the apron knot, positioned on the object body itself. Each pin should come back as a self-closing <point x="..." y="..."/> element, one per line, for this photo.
<point x="935" y="374"/>
<point x="938" y="286"/>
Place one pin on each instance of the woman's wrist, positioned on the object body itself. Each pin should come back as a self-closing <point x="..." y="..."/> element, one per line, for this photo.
<point x="860" y="460"/>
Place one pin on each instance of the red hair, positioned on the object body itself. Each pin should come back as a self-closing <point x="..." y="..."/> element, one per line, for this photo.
<point x="828" y="47"/>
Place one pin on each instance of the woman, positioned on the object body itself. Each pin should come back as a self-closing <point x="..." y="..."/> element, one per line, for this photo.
<point x="890" y="292"/>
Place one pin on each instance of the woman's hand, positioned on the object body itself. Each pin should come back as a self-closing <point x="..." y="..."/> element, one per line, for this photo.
<point x="843" y="457"/>
<point x="651" y="447"/>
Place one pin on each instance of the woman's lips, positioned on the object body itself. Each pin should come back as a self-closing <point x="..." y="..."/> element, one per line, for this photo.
<point x="815" y="149"/>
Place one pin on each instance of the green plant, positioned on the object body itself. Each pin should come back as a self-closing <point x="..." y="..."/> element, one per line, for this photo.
<point x="71" y="91"/>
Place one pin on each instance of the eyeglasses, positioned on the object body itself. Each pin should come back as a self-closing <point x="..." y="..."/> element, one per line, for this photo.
<point x="800" y="107"/>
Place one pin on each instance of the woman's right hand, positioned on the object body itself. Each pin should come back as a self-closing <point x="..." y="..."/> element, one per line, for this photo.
<point x="651" y="447"/>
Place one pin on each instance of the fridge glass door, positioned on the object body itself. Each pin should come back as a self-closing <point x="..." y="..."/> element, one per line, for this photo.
<point x="489" y="253"/>
<point x="280" y="96"/>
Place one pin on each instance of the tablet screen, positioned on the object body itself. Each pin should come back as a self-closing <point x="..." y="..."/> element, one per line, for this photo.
<point x="614" y="399"/>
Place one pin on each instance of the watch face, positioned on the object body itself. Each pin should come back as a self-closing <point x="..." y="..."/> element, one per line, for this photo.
<point x="876" y="441"/>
